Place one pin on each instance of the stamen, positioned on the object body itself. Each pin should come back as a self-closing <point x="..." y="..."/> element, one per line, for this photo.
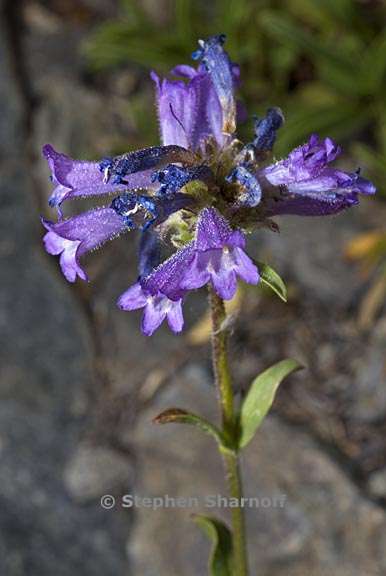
<point x="144" y="159"/>
<point x="173" y="178"/>
<point x="249" y="182"/>
<point x="266" y="128"/>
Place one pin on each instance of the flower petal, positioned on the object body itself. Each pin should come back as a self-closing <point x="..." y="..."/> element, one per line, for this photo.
<point x="83" y="233"/>
<point x="167" y="277"/>
<point x="133" y="298"/>
<point x="67" y="249"/>
<point x="189" y="112"/>
<point x="153" y="316"/>
<point x="175" y="317"/>
<point x="78" y="178"/>
<point x="197" y="275"/>
<point x="225" y="283"/>
<point x="213" y="231"/>
<point x="244" y="267"/>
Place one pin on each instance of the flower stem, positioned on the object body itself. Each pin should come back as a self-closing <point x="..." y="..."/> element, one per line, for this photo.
<point x="230" y="431"/>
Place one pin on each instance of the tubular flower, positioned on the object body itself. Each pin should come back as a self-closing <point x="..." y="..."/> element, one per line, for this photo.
<point x="201" y="188"/>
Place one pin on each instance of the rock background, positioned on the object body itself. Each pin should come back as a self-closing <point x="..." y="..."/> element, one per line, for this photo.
<point x="79" y="385"/>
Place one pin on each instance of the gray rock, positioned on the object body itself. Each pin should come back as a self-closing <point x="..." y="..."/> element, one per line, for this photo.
<point x="377" y="484"/>
<point x="94" y="471"/>
<point x="46" y="356"/>
<point x="310" y="250"/>
<point x="370" y="377"/>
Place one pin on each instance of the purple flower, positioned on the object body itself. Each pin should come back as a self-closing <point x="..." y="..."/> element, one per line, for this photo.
<point x="304" y="184"/>
<point x="80" y="178"/>
<point x="189" y="111"/>
<point x="157" y="308"/>
<point x="74" y="237"/>
<point x="219" y="257"/>
<point x="199" y="189"/>
<point x="216" y="255"/>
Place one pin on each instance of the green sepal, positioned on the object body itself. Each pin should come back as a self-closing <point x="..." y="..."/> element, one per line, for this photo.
<point x="220" y="561"/>
<point x="180" y="416"/>
<point x="260" y="397"/>
<point x="269" y="277"/>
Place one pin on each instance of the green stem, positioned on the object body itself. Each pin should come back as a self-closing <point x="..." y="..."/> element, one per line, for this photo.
<point x="230" y="431"/>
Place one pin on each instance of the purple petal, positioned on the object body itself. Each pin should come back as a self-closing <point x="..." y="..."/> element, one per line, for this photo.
<point x="83" y="233"/>
<point x="175" y="317"/>
<point x="220" y="266"/>
<point x="312" y="206"/>
<point x="67" y="249"/>
<point x="225" y="283"/>
<point x="133" y="298"/>
<point x="167" y="277"/>
<point x="303" y="163"/>
<point x="78" y="178"/>
<point x="153" y="316"/>
<point x="177" y="103"/>
<point x="213" y="230"/>
<point x="244" y="267"/>
<point x="307" y="186"/>
<point x="189" y="112"/>
<point x="157" y="309"/>
<point x="197" y="274"/>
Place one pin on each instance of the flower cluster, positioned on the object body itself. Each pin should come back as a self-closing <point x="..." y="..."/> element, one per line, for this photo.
<point x="202" y="190"/>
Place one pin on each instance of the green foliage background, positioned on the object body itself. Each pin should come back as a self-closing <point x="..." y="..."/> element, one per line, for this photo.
<point x="322" y="61"/>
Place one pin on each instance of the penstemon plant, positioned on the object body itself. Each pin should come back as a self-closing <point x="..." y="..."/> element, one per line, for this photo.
<point x="201" y="192"/>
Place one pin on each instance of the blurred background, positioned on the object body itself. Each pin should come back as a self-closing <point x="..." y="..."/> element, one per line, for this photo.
<point x="79" y="384"/>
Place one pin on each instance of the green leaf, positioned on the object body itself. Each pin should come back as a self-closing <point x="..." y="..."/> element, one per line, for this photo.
<point x="287" y="31"/>
<point x="180" y="416"/>
<point x="260" y="398"/>
<point x="270" y="278"/>
<point x="220" y="561"/>
<point x="373" y="67"/>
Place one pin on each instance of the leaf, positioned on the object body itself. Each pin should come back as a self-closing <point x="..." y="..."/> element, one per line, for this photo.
<point x="270" y="278"/>
<point x="220" y="561"/>
<point x="260" y="398"/>
<point x="286" y="30"/>
<point x="373" y="66"/>
<point x="181" y="416"/>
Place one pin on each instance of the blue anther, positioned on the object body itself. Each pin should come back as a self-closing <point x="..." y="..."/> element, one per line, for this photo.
<point x="266" y="128"/>
<point x="252" y="188"/>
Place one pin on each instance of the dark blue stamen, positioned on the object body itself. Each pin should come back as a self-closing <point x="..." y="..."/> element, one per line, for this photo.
<point x="266" y="128"/>
<point x="173" y="178"/>
<point x="206" y="45"/>
<point x="249" y="182"/>
<point x="105" y="163"/>
<point x="121" y="166"/>
<point x="124" y="205"/>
